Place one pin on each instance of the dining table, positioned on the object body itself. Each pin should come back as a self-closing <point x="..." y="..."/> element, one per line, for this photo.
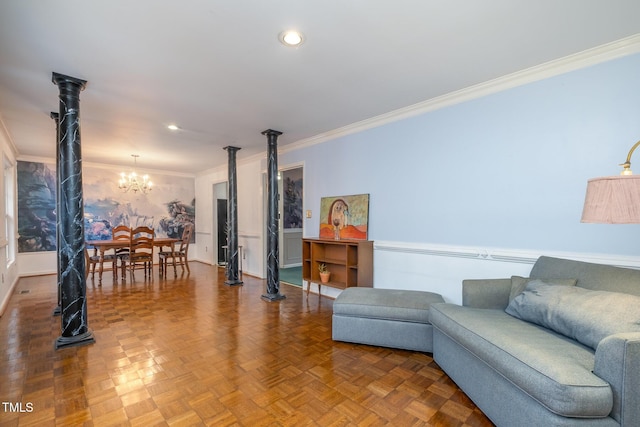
<point x="102" y="246"/>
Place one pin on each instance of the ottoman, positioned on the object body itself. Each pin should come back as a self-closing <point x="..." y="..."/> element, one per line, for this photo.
<point x="385" y="317"/>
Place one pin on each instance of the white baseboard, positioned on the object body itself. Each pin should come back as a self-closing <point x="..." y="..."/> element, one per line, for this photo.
<point x="7" y="297"/>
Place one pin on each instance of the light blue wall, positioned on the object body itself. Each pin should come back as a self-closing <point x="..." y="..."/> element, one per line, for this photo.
<point x="507" y="170"/>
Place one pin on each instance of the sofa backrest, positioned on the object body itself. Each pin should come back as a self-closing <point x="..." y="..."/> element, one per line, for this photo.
<point x="590" y="276"/>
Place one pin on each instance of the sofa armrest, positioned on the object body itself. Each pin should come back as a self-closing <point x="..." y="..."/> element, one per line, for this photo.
<point x="486" y="293"/>
<point x="617" y="362"/>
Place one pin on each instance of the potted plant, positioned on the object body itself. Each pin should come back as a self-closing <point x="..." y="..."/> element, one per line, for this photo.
<point x="324" y="273"/>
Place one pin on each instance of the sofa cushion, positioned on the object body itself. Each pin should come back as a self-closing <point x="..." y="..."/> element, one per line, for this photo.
<point x="552" y="369"/>
<point x="598" y="277"/>
<point x="584" y="315"/>
<point x="386" y="304"/>
<point x="518" y="284"/>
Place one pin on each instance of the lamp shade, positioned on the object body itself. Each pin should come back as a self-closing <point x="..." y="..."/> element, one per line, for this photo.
<point x="612" y="200"/>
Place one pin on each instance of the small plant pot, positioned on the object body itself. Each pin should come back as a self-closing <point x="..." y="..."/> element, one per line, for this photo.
<point x="324" y="277"/>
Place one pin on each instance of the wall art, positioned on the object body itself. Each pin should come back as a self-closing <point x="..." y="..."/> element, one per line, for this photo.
<point x="344" y="217"/>
<point x="292" y="198"/>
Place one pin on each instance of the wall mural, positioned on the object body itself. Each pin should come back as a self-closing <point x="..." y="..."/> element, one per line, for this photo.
<point x="167" y="208"/>
<point x="36" y="207"/>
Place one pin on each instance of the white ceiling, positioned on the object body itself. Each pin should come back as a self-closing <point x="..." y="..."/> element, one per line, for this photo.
<point x="217" y="70"/>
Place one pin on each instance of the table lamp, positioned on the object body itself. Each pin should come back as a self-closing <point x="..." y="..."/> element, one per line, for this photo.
<point x="614" y="199"/>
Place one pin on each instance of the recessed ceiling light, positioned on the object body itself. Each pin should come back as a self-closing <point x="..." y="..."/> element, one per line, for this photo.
<point x="173" y="127"/>
<point x="291" y="38"/>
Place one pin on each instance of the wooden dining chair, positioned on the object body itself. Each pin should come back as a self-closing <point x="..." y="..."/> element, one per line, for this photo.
<point x="140" y="251"/>
<point x="93" y="260"/>
<point x="178" y="255"/>
<point x="90" y="262"/>
<point x="121" y="232"/>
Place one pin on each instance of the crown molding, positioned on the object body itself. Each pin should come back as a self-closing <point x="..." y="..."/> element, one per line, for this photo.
<point x="107" y="166"/>
<point x="7" y="136"/>
<point x="606" y="52"/>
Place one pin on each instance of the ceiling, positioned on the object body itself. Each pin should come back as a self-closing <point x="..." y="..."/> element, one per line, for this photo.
<point x="217" y="70"/>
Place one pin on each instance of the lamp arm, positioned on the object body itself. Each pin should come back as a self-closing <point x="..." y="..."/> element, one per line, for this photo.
<point x="627" y="165"/>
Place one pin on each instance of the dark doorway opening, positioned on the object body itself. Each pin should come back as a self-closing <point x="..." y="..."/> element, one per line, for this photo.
<point x="222" y="231"/>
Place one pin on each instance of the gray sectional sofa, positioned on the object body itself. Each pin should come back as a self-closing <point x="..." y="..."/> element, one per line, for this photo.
<point x="559" y="348"/>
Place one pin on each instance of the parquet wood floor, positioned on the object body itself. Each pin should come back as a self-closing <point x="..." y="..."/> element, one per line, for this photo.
<point x="193" y="351"/>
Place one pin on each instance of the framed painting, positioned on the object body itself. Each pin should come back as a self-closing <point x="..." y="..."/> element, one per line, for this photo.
<point x="344" y="217"/>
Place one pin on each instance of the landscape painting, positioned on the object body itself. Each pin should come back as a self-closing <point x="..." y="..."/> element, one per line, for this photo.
<point x="344" y="217"/>
<point x="167" y="208"/>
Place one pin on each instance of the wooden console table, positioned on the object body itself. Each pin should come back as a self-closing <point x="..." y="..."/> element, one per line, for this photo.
<point x="350" y="262"/>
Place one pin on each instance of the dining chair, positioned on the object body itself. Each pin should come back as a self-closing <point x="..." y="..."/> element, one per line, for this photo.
<point x="121" y="232"/>
<point x="177" y="255"/>
<point x="140" y="251"/>
<point x="91" y="261"/>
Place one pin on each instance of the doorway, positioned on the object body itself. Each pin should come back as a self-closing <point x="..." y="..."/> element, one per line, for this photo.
<point x="290" y="222"/>
<point x="220" y="222"/>
<point x="291" y="219"/>
<point x="222" y="230"/>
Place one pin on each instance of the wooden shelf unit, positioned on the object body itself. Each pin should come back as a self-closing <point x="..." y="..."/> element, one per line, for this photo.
<point x="350" y="262"/>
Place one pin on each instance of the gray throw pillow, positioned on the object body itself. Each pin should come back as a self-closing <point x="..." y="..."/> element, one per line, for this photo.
<point x="519" y="283"/>
<point x="584" y="315"/>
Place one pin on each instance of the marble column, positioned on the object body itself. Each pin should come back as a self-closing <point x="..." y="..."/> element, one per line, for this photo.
<point x="56" y="117"/>
<point x="232" y="222"/>
<point x="73" y="283"/>
<point x="273" y="269"/>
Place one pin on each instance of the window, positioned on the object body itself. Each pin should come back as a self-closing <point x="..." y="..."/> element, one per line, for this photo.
<point x="9" y="210"/>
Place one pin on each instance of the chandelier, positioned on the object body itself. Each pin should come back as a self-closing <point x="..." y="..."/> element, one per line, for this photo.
<point x="132" y="182"/>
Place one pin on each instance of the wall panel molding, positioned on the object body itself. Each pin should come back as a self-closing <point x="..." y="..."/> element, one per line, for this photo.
<point x="442" y="268"/>
<point x="249" y="235"/>
<point x="501" y="254"/>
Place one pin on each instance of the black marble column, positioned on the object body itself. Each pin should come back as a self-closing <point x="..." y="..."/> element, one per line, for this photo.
<point x="73" y="283"/>
<point x="56" y="117"/>
<point x="232" y="222"/>
<point x="273" y="269"/>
